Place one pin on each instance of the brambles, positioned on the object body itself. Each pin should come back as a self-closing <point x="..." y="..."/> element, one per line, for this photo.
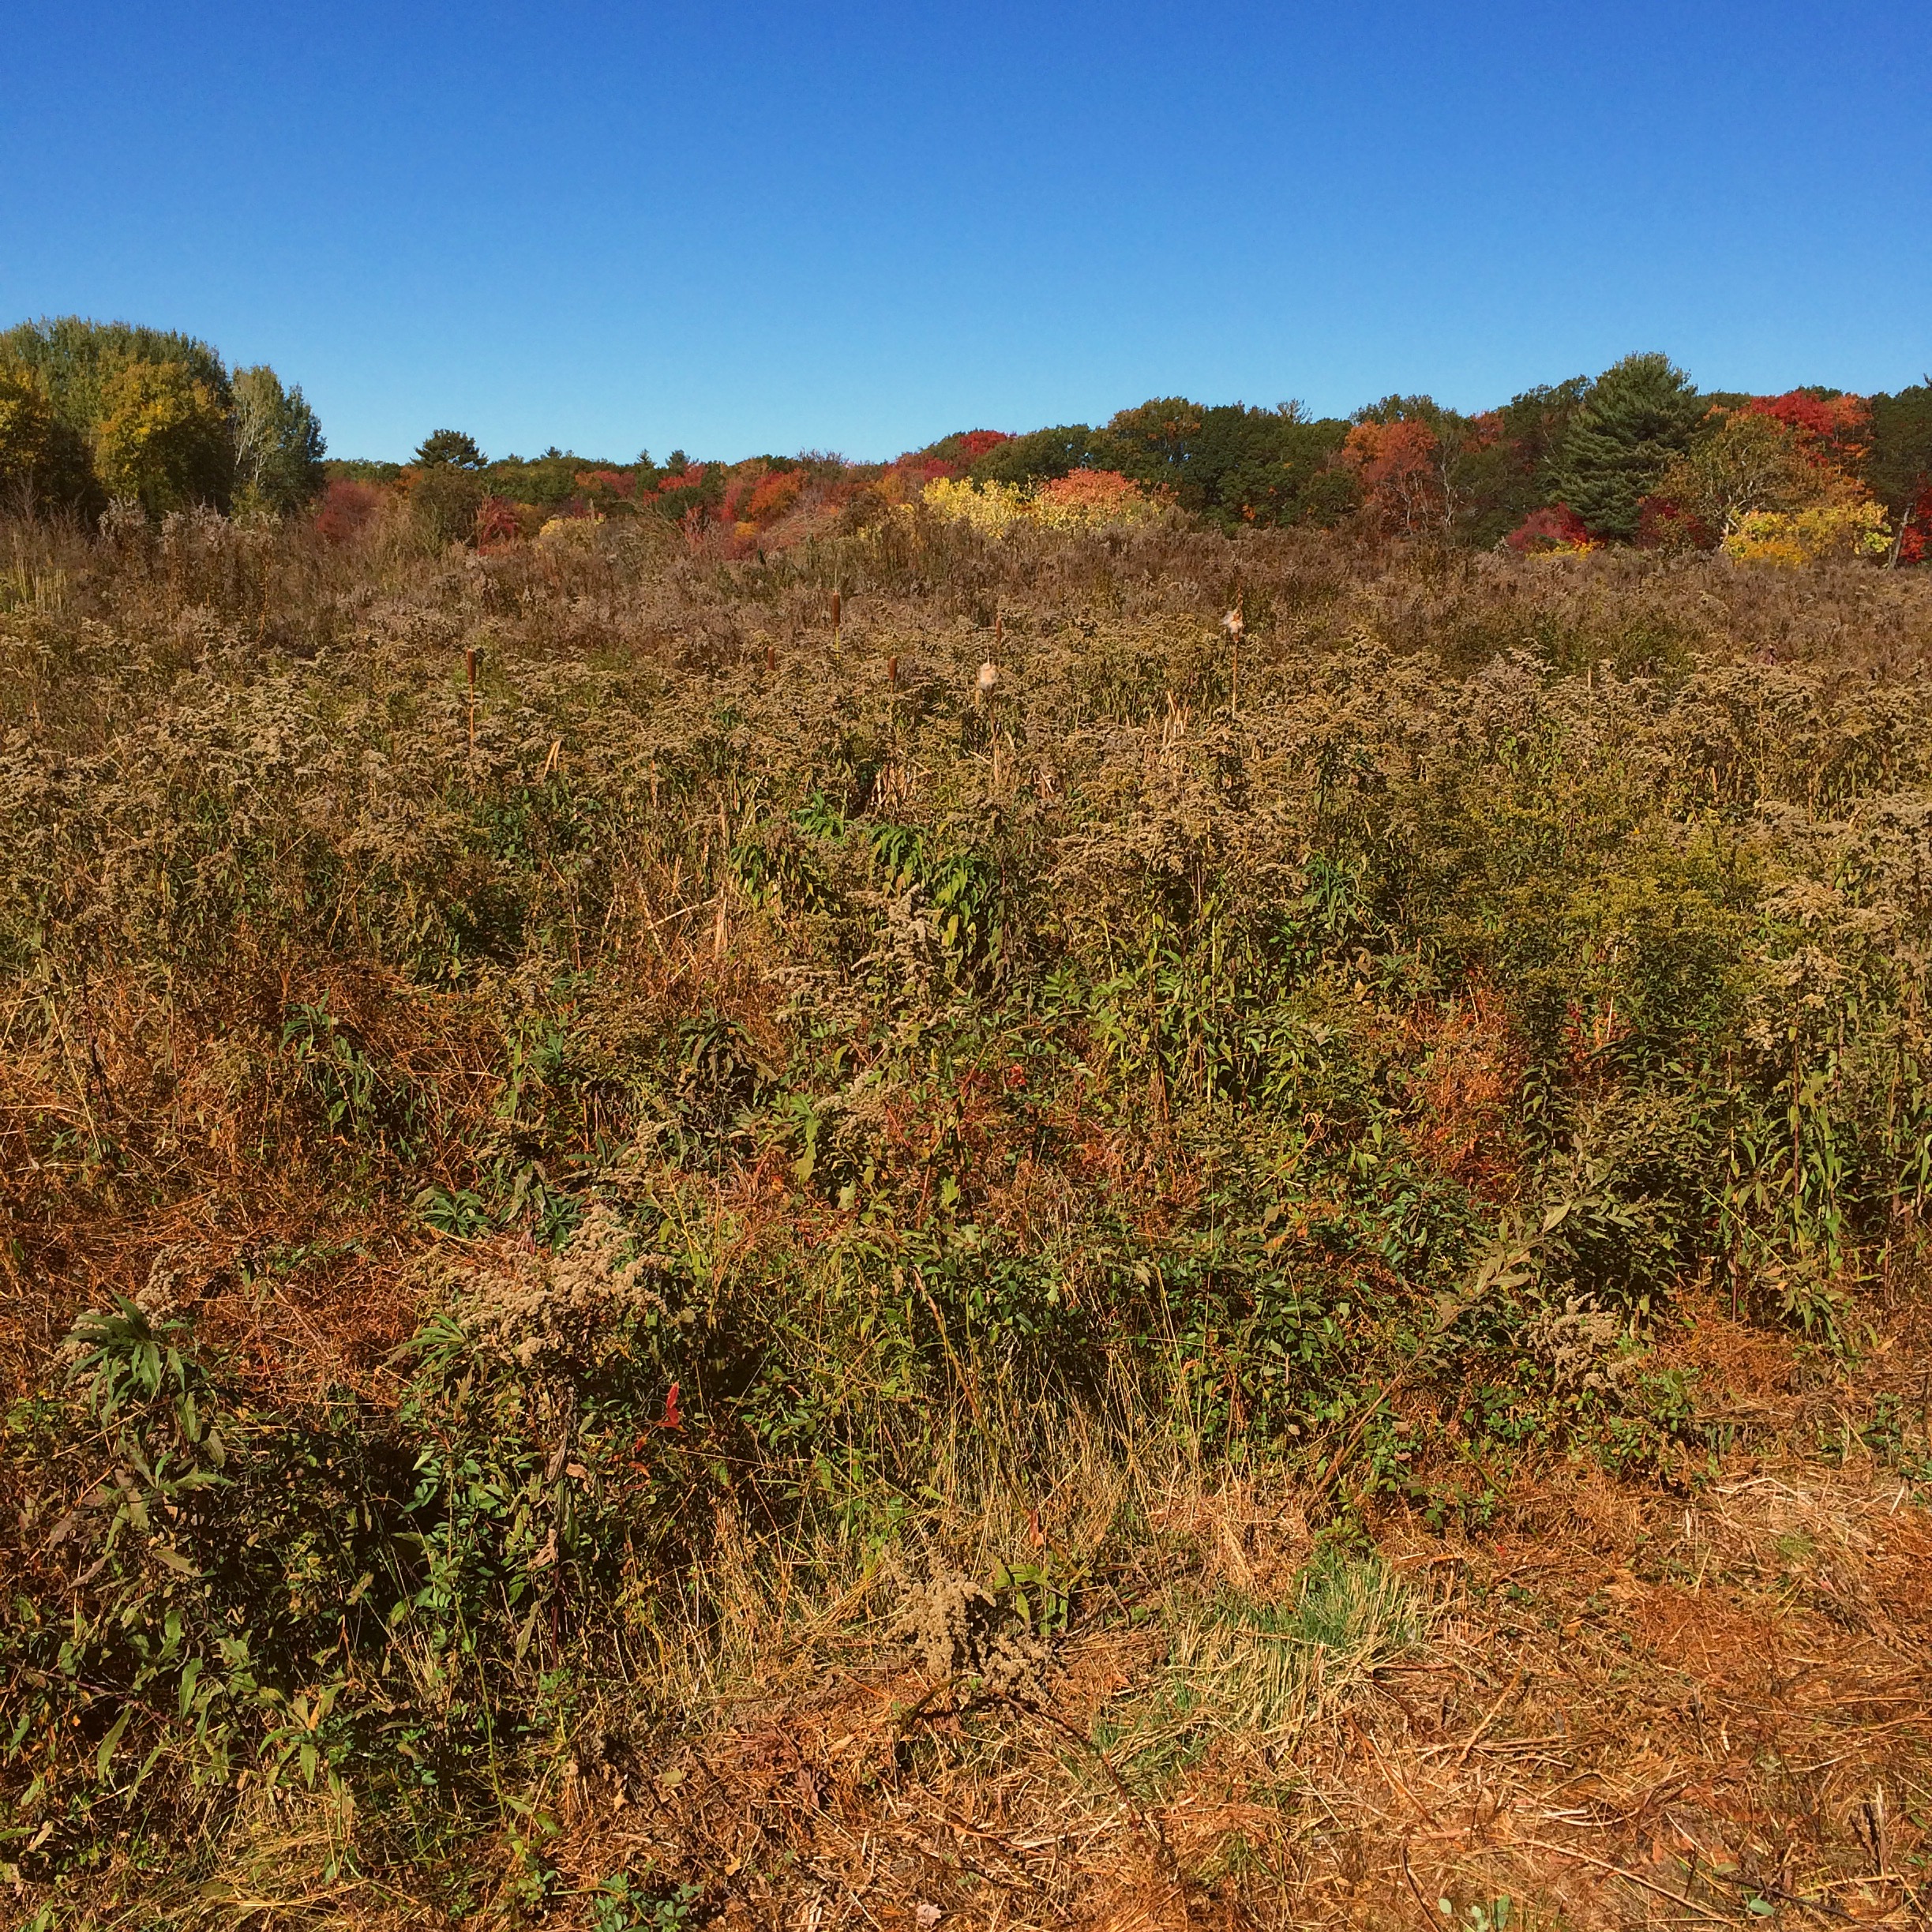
<point x="544" y="1209"/>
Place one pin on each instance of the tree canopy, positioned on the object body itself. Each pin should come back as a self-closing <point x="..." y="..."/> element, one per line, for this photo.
<point x="164" y="438"/>
<point x="1899" y="468"/>
<point x="1633" y="422"/>
<point x="450" y="447"/>
<point x="90" y="410"/>
<point x="44" y="462"/>
<point x="77" y="359"/>
<point x="1037" y="455"/>
<point x="279" y="443"/>
<point x="1638" y="455"/>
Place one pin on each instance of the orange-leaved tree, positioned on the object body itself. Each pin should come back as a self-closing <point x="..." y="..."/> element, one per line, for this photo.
<point x="1399" y="467"/>
<point x="1831" y="429"/>
<point x="1092" y="494"/>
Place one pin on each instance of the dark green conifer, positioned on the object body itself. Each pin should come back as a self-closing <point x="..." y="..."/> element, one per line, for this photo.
<point x="1899" y="469"/>
<point x="1638" y="415"/>
<point x="453" y="447"/>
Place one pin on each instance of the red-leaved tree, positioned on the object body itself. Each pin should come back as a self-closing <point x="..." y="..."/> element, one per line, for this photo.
<point x="1835" y="429"/>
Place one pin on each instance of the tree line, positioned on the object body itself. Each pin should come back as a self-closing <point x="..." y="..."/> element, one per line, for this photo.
<point x="96" y="411"/>
<point x="1636" y="455"/>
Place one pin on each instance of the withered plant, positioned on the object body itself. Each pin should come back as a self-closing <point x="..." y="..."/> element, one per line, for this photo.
<point x="583" y="1149"/>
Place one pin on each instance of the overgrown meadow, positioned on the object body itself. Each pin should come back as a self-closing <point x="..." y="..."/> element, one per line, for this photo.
<point x="1035" y="1141"/>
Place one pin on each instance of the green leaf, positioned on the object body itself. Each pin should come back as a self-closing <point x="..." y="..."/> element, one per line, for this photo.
<point x="107" y="1744"/>
<point x="529" y="1630"/>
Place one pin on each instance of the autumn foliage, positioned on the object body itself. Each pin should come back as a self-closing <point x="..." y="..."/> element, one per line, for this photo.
<point x="1834" y="430"/>
<point x="1543" y="532"/>
<point x="1181" y="1210"/>
<point x="347" y="509"/>
<point x="1396" y="464"/>
<point x="1634" y="456"/>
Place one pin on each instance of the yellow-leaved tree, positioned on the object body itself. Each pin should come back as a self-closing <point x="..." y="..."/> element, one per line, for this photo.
<point x="163" y="438"/>
<point x="1770" y="491"/>
<point x="1746" y="462"/>
<point x="992" y="508"/>
<point x="26" y="424"/>
<point x="44" y="463"/>
<point x="1820" y="533"/>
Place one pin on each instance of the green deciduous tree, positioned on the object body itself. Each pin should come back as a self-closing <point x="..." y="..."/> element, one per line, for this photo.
<point x="43" y="462"/>
<point x="1038" y="455"/>
<point x="1508" y="468"/>
<point x="81" y="370"/>
<point x="1232" y="464"/>
<point x="1637" y="419"/>
<point x="164" y="437"/>
<point x="76" y="359"/>
<point x="444" y="500"/>
<point x="278" y="442"/>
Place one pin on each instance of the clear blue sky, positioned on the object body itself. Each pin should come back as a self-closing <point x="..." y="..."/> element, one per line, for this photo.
<point x="856" y="227"/>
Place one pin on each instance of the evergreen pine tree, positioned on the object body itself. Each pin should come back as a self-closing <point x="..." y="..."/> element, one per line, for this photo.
<point x="1637" y="417"/>
<point x="1899" y="469"/>
<point x="449" y="446"/>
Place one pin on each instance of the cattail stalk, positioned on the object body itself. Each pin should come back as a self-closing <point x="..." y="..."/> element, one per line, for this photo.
<point x="469" y="665"/>
<point x="1236" y="626"/>
<point x="984" y="688"/>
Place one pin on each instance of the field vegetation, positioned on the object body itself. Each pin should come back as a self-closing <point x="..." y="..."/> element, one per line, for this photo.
<point x="1092" y="1216"/>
